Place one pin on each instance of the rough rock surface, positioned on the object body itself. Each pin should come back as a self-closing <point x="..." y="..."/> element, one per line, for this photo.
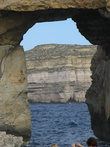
<point x="16" y="17"/>
<point x="27" y="5"/>
<point x="98" y="95"/>
<point x="58" y="73"/>
<point x="7" y="140"/>
<point x="13" y="88"/>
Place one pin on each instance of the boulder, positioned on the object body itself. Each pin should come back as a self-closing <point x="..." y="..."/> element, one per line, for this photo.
<point x="8" y="140"/>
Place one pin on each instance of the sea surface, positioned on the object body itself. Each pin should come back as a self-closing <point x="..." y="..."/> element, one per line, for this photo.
<point x="63" y="124"/>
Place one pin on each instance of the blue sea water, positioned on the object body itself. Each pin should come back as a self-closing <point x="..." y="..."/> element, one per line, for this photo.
<point x="63" y="124"/>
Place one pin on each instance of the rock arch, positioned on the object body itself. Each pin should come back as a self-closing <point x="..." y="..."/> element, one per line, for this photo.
<point x="93" y="21"/>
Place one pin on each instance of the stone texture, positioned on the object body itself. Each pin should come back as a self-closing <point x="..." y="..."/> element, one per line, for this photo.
<point x="16" y="17"/>
<point x="14" y="110"/>
<point x="27" y="5"/>
<point x="94" y="26"/>
<point x="58" y="73"/>
<point x="98" y="95"/>
<point x="7" y="140"/>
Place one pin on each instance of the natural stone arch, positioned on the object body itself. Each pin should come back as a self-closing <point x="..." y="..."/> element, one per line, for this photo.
<point x="16" y="18"/>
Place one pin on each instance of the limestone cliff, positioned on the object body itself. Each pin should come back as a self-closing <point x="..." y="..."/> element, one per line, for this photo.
<point x="58" y="73"/>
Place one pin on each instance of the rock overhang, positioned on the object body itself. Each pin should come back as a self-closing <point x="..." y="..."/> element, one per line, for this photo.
<point x="33" y="5"/>
<point x="92" y="23"/>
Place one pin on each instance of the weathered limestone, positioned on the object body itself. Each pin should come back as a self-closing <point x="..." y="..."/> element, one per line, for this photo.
<point x="16" y="17"/>
<point x="58" y="73"/>
<point x="14" y="110"/>
<point x="96" y="29"/>
<point x="7" y="140"/>
<point x="27" y="5"/>
<point x="98" y="95"/>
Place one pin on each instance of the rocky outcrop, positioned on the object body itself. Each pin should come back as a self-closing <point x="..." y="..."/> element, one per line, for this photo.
<point x="58" y="73"/>
<point x="16" y="17"/>
<point x="7" y="140"/>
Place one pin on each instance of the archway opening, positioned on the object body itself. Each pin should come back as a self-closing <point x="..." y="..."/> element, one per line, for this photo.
<point x="43" y="71"/>
<point x="56" y="32"/>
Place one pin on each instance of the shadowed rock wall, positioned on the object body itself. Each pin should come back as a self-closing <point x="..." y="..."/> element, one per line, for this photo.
<point x="97" y="31"/>
<point x="98" y="95"/>
<point x="16" y="17"/>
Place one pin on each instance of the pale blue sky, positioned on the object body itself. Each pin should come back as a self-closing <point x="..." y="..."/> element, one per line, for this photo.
<point x="57" y="32"/>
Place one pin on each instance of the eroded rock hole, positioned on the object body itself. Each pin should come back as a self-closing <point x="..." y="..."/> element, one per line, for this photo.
<point x="58" y="73"/>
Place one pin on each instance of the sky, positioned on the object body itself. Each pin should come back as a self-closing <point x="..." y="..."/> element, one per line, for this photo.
<point x="56" y="32"/>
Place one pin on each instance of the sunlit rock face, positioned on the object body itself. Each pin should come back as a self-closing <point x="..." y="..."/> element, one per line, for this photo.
<point x="14" y="110"/>
<point x="58" y="73"/>
<point x="27" y="5"/>
<point x="16" y="17"/>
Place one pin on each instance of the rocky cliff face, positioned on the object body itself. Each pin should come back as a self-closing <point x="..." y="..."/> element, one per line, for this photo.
<point x="16" y="17"/>
<point x="58" y="73"/>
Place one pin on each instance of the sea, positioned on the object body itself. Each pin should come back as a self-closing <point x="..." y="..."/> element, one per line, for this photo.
<point x="62" y="124"/>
